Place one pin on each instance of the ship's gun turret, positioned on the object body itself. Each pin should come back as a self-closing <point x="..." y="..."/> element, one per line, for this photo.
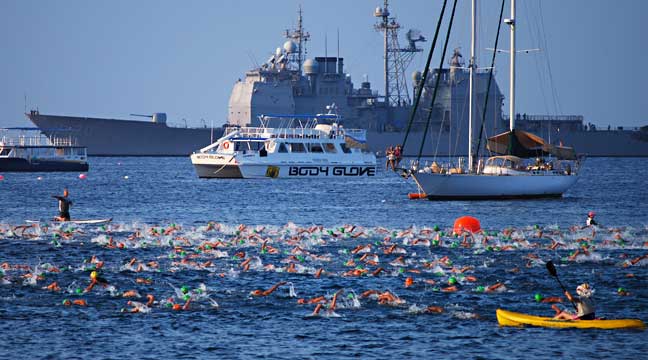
<point x="159" y="118"/>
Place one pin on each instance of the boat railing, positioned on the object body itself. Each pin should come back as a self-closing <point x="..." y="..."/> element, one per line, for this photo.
<point x="296" y="133"/>
<point x="41" y="140"/>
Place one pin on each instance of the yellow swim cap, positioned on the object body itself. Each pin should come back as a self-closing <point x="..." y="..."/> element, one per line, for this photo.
<point x="93" y="275"/>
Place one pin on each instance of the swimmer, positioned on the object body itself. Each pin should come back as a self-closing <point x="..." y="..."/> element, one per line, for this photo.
<point x="317" y="310"/>
<point x="79" y="302"/>
<point x="552" y="299"/>
<point x="582" y="251"/>
<point x="269" y="291"/>
<point x="409" y="282"/>
<point x="584" y="305"/>
<point x="137" y="307"/>
<point x="334" y="300"/>
<point x="499" y="287"/>
<point x="387" y="298"/>
<point x="434" y="309"/>
<point x="315" y="300"/>
<point x="131" y="293"/>
<point x="590" y="219"/>
<point x="178" y="307"/>
<point x="623" y="292"/>
<point x="638" y="259"/>
<point x="94" y="280"/>
<point x="53" y="287"/>
<point x="144" y="281"/>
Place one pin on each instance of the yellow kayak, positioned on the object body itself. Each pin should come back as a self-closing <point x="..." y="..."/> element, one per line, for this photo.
<point x="509" y="318"/>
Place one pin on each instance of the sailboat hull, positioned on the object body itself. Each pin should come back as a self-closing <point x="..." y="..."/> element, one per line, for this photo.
<point x="476" y="187"/>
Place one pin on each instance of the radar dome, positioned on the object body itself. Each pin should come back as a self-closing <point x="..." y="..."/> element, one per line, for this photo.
<point x="310" y="67"/>
<point x="290" y="47"/>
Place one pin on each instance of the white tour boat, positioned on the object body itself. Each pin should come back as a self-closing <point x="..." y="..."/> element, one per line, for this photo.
<point x="287" y="146"/>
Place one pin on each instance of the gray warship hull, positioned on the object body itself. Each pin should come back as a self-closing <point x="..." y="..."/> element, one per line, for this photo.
<point x="113" y="137"/>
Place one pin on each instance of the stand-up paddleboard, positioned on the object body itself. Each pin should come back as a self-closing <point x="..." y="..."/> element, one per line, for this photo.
<point x="509" y="318"/>
<point x="77" y="221"/>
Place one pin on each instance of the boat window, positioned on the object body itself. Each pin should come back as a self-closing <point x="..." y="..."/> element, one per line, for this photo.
<point x="4" y="152"/>
<point x="330" y="148"/>
<point x="282" y="148"/>
<point x="297" y="148"/>
<point x="315" y="148"/>
<point x="345" y="149"/>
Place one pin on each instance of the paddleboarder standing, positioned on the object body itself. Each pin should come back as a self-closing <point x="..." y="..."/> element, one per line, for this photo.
<point x="64" y="206"/>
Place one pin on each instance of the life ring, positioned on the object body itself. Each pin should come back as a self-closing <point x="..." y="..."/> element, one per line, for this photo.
<point x="226" y="145"/>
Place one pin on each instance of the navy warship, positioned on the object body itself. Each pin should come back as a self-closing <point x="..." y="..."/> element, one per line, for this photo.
<point x="290" y="83"/>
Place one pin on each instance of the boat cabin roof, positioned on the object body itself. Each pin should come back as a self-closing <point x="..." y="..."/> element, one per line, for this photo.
<point x="511" y="158"/>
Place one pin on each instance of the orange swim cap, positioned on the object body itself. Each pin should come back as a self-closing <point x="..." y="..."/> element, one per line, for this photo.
<point x="93" y="275"/>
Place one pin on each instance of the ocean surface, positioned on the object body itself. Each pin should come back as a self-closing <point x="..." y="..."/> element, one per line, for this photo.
<point x="214" y="242"/>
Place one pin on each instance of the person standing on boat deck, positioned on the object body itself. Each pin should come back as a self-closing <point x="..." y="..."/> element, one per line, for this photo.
<point x="590" y="219"/>
<point x="64" y="206"/>
<point x="390" y="158"/>
<point x="584" y="305"/>
<point x="398" y="155"/>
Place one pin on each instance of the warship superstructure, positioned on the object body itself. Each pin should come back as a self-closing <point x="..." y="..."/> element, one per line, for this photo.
<point x="290" y="83"/>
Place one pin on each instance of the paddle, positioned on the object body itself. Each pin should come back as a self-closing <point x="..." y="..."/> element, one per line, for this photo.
<point x="552" y="270"/>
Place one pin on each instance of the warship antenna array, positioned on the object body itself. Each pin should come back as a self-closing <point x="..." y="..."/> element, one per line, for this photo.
<point x="300" y="36"/>
<point x="397" y="59"/>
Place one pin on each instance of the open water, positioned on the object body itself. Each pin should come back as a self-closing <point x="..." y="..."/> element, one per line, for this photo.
<point x="198" y="234"/>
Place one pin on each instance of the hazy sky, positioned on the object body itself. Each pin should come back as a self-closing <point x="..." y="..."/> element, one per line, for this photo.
<point x="112" y="58"/>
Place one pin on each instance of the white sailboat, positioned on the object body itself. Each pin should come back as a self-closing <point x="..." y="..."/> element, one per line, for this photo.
<point x="500" y="177"/>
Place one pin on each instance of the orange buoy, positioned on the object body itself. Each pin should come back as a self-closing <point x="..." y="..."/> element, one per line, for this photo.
<point x="466" y="223"/>
<point x="413" y="196"/>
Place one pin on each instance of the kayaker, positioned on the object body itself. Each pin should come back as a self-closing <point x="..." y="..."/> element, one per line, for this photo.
<point x="584" y="305"/>
<point x="64" y="206"/>
<point x="590" y="219"/>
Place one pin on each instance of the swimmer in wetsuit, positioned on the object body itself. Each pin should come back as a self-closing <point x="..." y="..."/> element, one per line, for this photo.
<point x="94" y="280"/>
<point x="64" y="206"/>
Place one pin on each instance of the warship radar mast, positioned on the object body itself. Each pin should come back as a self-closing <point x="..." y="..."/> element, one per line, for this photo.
<point x="397" y="59"/>
<point x="300" y="37"/>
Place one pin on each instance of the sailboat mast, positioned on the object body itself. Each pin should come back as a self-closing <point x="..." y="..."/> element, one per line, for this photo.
<point x="511" y="22"/>
<point x="471" y="66"/>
